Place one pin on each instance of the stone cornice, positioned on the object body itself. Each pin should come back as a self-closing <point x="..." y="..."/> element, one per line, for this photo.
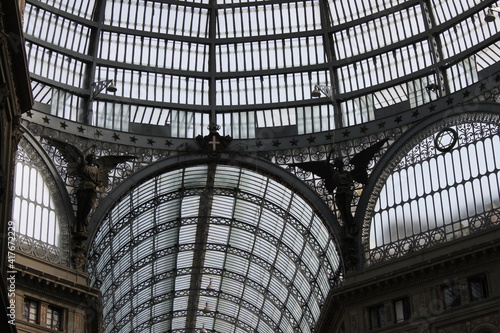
<point x="437" y="263"/>
<point x="46" y="278"/>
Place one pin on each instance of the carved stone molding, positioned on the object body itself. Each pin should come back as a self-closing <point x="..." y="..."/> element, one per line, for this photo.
<point x="470" y="325"/>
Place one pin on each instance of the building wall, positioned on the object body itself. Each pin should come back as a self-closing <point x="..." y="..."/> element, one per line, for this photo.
<point x="52" y="288"/>
<point x="439" y="285"/>
<point x="47" y="288"/>
<point x="15" y="98"/>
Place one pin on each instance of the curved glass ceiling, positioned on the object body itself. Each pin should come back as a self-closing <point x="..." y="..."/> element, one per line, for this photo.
<point x="181" y="65"/>
<point x="212" y="246"/>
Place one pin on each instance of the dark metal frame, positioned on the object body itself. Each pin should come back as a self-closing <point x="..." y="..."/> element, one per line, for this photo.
<point x="474" y="112"/>
<point x="439" y="67"/>
<point x="201" y="245"/>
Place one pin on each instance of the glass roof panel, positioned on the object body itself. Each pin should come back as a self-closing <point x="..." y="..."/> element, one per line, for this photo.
<point x="190" y="207"/>
<point x="349" y="10"/>
<point x="234" y="263"/>
<point x="223" y="206"/>
<point x="184" y="260"/>
<point x="262" y="55"/>
<point x="232" y="287"/>
<point x="445" y="182"/>
<point x="259" y="281"/>
<point x="214" y="259"/>
<point x="444" y="10"/>
<point x="242" y="239"/>
<point x="218" y="234"/>
<point x="243" y="211"/>
<point x="74" y="7"/>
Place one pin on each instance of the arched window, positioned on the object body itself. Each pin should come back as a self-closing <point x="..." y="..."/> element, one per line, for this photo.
<point x="42" y="229"/>
<point x="34" y="209"/>
<point x="441" y="185"/>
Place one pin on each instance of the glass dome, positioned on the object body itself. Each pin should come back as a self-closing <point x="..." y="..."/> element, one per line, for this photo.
<point x="250" y="67"/>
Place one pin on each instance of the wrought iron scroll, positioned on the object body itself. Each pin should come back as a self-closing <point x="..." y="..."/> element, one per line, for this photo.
<point x="143" y="157"/>
<point x="42" y="250"/>
<point x="470" y="127"/>
<point x="344" y="150"/>
<point x="424" y="240"/>
<point x="59" y="255"/>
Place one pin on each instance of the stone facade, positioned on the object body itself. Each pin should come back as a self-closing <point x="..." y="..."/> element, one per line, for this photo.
<point x="450" y="288"/>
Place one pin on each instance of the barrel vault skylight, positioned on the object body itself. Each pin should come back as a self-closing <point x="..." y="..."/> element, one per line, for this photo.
<point x="236" y="252"/>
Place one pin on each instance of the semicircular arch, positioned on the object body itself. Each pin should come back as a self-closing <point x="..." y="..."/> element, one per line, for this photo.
<point x="202" y="221"/>
<point x="43" y="217"/>
<point x="439" y="181"/>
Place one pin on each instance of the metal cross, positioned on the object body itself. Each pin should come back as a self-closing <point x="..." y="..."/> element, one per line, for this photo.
<point x="214" y="142"/>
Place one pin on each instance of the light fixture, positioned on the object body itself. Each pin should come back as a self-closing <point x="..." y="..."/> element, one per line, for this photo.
<point x="96" y="88"/>
<point x="316" y="92"/>
<point x="206" y="309"/>
<point x="210" y="286"/>
<point x="99" y="86"/>
<point x="432" y="87"/>
<point x="322" y="89"/>
<point x="111" y="87"/>
<point x="490" y="16"/>
<point x="203" y="329"/>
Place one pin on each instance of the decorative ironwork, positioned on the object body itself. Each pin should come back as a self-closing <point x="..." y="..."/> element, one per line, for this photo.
<point x="142" y="156"/>
<point x="466" y="130"/>
<point x="27" y="155"/>
<point x="92" y="173"/>
<point x="446" y="139"/>
<point x="213" y="144"/>
<point x="328" y="91"/>
<point x="42" y="250"/>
